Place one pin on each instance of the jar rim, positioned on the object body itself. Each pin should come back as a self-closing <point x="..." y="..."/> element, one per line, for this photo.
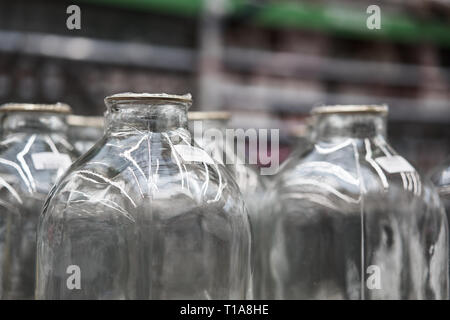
<point x="209" y="115"/>
<point x="85" y="121"/>
<point x="131" y="96"/>
<point x="384" y="109"/>
<point x="36" y="107"/>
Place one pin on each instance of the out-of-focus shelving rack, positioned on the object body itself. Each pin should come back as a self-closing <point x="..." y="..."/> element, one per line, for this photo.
<point x="98" y="50"/>
<point x="293" y="65"/>
<point x="341" y="20"/>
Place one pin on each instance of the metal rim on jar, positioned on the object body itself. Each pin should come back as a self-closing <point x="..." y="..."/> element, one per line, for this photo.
<point x="85" y="121"/>
<point x="209" y="115"/>
<point x="131" y="96"/>
<point x="33" y="107"/>
<point x="384" y="109"/>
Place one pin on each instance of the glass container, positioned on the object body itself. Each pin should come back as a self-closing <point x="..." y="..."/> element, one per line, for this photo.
<point x="441" y="179"/>
<point x="354" y="220"/>
<point x="302" y="135"/>
<point x="34" y="152"/>
<point x="144" y="214"/>
<point x="84" y="131"/>
<point x="210" y="132"/>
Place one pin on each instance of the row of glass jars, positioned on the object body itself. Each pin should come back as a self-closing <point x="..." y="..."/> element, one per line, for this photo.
<point x="146" y="213"/>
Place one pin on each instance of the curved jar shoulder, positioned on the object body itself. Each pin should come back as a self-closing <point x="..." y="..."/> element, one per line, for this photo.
<point x="30" y="164"/>
<point x="139" y="168"/>
<point x="349" y="168"/>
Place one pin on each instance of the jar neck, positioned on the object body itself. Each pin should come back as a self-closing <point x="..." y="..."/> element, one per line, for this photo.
<point x="207" y="124"/>
<point x="153" y="117"/>
<point x="34" y="122"/>
<point x="207" y="131"/>
<point x="349" y="125"/>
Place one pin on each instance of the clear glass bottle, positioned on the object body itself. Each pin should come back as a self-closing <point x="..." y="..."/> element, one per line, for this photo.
<point x="302" y="135"/>
<point x="84" y="131"/>
<point x="144" y="214"/>
<point x="303" y="138"/>
<point x="354" y="220"/>
<point x="209" y="132"/>
<point x="34" y="152"/>
<point x="441" y="179"/>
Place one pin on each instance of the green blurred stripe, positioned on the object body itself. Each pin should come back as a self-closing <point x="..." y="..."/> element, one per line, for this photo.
<point x="179" y="7"/>
<point x="284" y="14"/>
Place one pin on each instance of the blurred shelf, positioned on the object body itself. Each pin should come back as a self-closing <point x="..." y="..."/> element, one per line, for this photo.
<point x="278" y="99"/>
<point x="301" y="66"/>
<point x="97" y="50"/>
<point x="263" y="97"/>
<point x="281" y="64"/>
<point x="181" y="7"/>
<point x="348" y="20"/>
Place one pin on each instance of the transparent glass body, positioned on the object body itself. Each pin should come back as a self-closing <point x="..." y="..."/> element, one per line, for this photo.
<point x="211" y="136"/>
<point x="144" y="214"/>
<point x="353" y="220"/>
<point x="441" y="179"/>
<point x="34" y="152"/>
<point x="84" y="132"/>
<point x="302" y="135"/>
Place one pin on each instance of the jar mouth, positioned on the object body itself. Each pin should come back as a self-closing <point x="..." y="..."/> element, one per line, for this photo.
<point x="33" y="107"/>
<point x="209" y="115"/>
<point x="85" y="121"/>
<point x="130" y="97"/>
<point x="381" y="109"/>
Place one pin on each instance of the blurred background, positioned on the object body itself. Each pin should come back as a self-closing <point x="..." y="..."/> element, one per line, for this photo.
<point x="268" y="62"/>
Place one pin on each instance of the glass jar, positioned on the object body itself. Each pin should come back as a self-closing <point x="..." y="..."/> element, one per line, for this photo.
<point x="302" y="135"/>
<point x="441" y="179"/>
<point x="209" y="130"/>
<point x="303" y="138"/>
<point x="354" y="220"/>
<point x="144" y="214"/>
<point x="84" y="131"/>
<point x="34" y="152"/>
